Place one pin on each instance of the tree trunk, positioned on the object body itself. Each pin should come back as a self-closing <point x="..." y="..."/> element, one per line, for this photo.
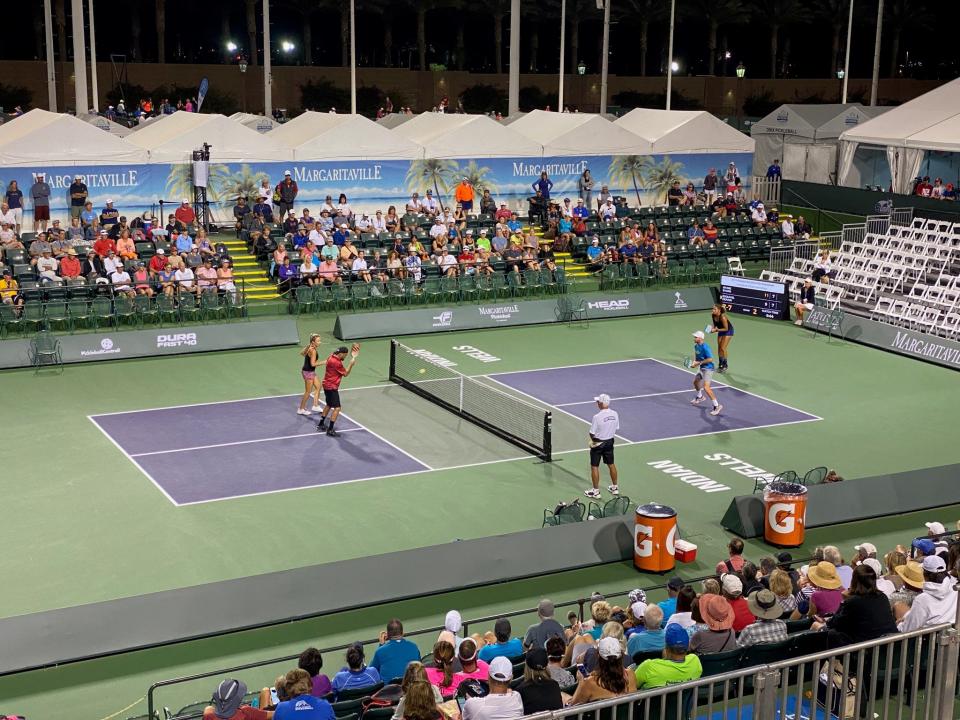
<point x="894" y="49"/>
<point x="534" y="46"/>
<point x="712" y="46"/>
<point x="785" y="55"/>
<point x="252" y="32"/>
<point x="161" y="12"/>
<point x="307" y="41"/>
<point x="387" y="41"/>
<point x="498" y="42"/>
<point x="345" y="35"/>
<point x="135" y="25"/>
<point x="38" y="30"/>
<point x="642" y="44"/>
<point x="60" y="21"/>
<point x="834" y="52"/>
<point x="574" y="45"/>
<point x="774" y="33"/>
<point x="461" y="51"/>
<point x="422" y="34"/>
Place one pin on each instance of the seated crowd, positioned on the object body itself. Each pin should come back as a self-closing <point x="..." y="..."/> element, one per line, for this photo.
<point x="497" y="675"/>
<point x="103" y="249"/>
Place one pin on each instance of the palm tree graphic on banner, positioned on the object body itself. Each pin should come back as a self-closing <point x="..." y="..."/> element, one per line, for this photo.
<point x="477" y="175"/>
<point x="628" y="171"/>
<point x="431" y="172"/>
<point x="659" y="177"/>
<point x="226" y="184"/>
<point x="179" y="182"/>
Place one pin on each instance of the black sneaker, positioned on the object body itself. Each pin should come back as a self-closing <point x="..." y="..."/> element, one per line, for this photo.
<point x="333" y="433"/>
<point x="321" y="426"/>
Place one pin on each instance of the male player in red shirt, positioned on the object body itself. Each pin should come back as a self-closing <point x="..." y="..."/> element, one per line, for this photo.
<point x="335" y="372"/>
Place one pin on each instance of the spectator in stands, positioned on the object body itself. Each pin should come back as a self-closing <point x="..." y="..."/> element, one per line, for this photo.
<point x="121" y="280"/>
<point x="609" y="678"/>
<point x="555" y="647"/>
<point x="419" y="702"/>
<point x="126" y="248"/>
<point x="719" y="635"/>
<point x="585" y="185"/>
<point x="185" y="214"/>
<point x="395" y="652"/>
<point x="652" y="637"/>
<point x="471" y="667"/>
<point x="782" y="586"/>
<point x="452" y="624"/>
<point x="539" y="691"/>
<point x="735" y="560"/>
<point x="802" y="228"/>
<point x="141" y="280"/>
<point x="822" y="267"/>
<point x="287" y="191"/>
<point x="464" y="194"/>
<point x="599" y="615"/>
<point x="240" y="211"/>
<point x="502" y="702"/>
<point x="749" y="575"/>
<point x="227" y="703"/>
<point x="538" y="633"/>
<point x="683" y="613"/>
<point x="863" y="552"/>
<point x="710" y="184"/>
<point x="10" y="289"/>
<point x="544" y="184"/>
<point x="40" y="195"/>
<point x="69" y="264"/>
<point x="936" y="604"/>
<point x="47" y="266"/>
<point x="288" y="274"/>
<point x="710" y="232"/>
<point x="676" y="666"/>
<point x="787" y="229"/>
<point x="312" y="661"/>
<point x="883" y="585"/>
<point x="806" y="301"/>
<point x="689" y="195"/>
<point x="774" y="172"/>
<point x="674" y="194"/>
<point x="92" y="266"/>
<point x="608" y="211"/>
<point x="14" y="199"/>
<point x="826" y="596"/>
<point x="356" y="674"/>
<point x="301" y="703"/>
<point x="731" y="588"/>
<point x="669" y="606"/>
<point x="759" y="215"/>
<point x="768" y="627"/>
<point x="414" y="673"/>
<point x="865" y="613"/>
<point x="505" y="646"/>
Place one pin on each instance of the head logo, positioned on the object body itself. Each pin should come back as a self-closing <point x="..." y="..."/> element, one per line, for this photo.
<point x="444" y="319"/>
<point x="609" y="305"/>
<point x="106" y="344"/>
<point x="680" y="303"/>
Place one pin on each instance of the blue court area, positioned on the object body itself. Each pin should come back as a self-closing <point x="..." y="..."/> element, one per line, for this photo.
<point x="651" y="397"/>
<point x="199" y="453"/>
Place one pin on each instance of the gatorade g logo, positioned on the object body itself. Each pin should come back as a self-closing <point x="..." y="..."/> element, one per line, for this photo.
<point x="783" y="518"/>
<point x="671" y="537"/>
<point x="643" y="542"/>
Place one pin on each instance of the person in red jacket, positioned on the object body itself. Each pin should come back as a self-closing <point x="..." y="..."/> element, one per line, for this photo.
<point x="185" y="214"/>
<point x="104" y="244"/>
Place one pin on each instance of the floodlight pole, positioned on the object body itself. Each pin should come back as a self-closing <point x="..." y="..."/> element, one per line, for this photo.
<point x="353" y="57"/>
<point x="51" y="66"/>
<point x="94" y="94"/>
<point x="79" y="59"/>
<point x="563" y="37"/>
<point x="846" y="61"/>
<point x="875" y="81"/>
<point x="605" y="64"/>
<point x="267" y="76"/>
<point x="673" y="7"/>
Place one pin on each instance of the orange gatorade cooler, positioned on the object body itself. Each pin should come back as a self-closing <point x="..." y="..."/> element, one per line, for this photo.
<point x="653" y="538"/>
<point x="784" y="514"/>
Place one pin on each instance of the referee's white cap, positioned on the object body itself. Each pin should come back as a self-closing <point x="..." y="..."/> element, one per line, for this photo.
<point x="603" y="399"/>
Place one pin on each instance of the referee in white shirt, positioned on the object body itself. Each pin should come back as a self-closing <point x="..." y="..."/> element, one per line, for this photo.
<point x="602" y="431"/>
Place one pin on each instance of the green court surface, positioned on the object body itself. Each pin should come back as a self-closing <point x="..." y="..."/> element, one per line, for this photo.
<point x="83" y="524"/>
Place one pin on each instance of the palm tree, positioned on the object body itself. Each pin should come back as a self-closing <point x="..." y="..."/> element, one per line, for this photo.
<point x="659" y="177"/>
<point x="629" y="170"/>
<point x="252" y="32"/>
<point x="135" y="27"/>
<point x="304" y="10"/>
<point x="645" y="12"/>
<point x="60" y="22"/>
<point x="903" y="15"/>
<point x="227" y="185"/>
<point x="717" y="13"/>
<point x="477" y="175"/>
<point x="778" y="14"/>
<point x="161" y="18"/>
<point x="834" y="13"/>
<point x="180" y="180"/>
<point x="422" y="7"/>
<point x="499" y="9"/>
<point x="427" y="172"/>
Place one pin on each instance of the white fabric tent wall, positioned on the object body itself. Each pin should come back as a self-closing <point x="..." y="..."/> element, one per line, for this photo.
<point x="44" y="138"/>
<point x="175" y="137"/>
<point x="685" y="132"/>
<point x="578" y="134"/>
<point x="466" y="136"/>
<point x="393" y="120"/>
<point x="328" y="136"/>
<point x="260" y="123"/>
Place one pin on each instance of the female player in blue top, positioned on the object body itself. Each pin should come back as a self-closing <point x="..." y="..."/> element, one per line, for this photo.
<point x="721" y="325"/>
<point x="703" y="361"/>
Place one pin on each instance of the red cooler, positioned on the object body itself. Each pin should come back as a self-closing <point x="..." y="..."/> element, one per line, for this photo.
<point x="653" y="538"/>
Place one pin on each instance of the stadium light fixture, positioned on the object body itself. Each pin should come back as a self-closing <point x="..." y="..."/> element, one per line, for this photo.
<point x="675" y="66"/>
<point x="741" y="70"/>
<point x="287" y="46"/>
<point x="231" y="46"/>
<point x="581" y="68"/>
<point x="841" y="73"/>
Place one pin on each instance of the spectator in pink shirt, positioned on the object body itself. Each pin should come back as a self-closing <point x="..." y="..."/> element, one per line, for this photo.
<point x="329" y="272"/>
<point x="441" y="674"/>
<point x="471" y="667"/>
<point x="734" y="563"/>
<point x="206" y="276"/>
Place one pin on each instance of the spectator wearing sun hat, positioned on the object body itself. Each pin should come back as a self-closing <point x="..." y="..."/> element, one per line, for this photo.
<point x="677" y="665"/>
<point x="719" y="635"/>
<point x="826" y="596"/>
<point x="865" y="613"/>
<point x="502" y="702"/>
<point x="227" y="703"/>
<point x="731" y="588"/>
<point x="768" y="627"/>
<point x="937" y="603"/>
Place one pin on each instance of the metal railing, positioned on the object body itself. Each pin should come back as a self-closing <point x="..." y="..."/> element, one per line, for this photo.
<point x="832" y="239"/>
<point x="901" y="216"/>
<point x="782" y="258"/>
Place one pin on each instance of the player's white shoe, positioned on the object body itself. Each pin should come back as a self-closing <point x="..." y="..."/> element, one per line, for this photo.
<point x="317" y="408"/>
<point x="614" y="489"/>
<point x="303" y="412"/>
<point x="716" y="410"/>
<point x="697" y="400"/>
<point x="592" y="493"/>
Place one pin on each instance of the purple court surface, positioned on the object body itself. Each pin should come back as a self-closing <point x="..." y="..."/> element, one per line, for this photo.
<point x="215" y="451"/>
<point x="198" y="453"/>
<point x="651" y="397"/>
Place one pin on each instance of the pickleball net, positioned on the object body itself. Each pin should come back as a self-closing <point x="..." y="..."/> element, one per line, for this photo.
<point x="513" y="419"/>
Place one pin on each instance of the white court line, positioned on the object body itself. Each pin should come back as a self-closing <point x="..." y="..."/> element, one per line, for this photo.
<point x="747" y="392"/>
<point x="382" y="439"/>
<point x="546" y="404"/>
<point x="635" y="397"/>
<point x="239" y="442"/>
<point x="564" y="367"/>
<point x="137" y="465"/>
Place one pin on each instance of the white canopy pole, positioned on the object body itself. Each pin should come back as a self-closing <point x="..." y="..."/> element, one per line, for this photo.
<point x="563" y="37"/>
<point x="605" y="64"/>
<point x="95" y="95"/>
<point x="51" y="66"/>
<point x="673" y="7"/>
<point x="81" y="102"/>
<point x="267" y="77"/>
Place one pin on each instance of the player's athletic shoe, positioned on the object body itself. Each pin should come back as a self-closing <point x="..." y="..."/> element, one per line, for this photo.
<point x="716" y="410"/>
<point x="697" y="400"/>
<point x="317" y="408"/>
<point x="614" y="489"/>
<point x="332" y="433"/>
<point x="592" y="493"/>
<point x="303" y="412"/>
<point x="798" y="322"/>
<point x="322" y="425"/>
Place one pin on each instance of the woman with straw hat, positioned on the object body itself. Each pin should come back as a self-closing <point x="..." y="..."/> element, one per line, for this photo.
<point x="719" y="637"/>
<point x="826" y="597"/>
<point x="768" y="628"/>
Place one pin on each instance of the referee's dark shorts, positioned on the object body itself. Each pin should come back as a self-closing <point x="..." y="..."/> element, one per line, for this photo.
<point x="603" y="451"/>
<point x="332" y="398"/>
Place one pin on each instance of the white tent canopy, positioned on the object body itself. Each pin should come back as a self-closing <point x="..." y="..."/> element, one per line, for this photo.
<point x="929" y="122"/>
<point x="804" y="138"/>
<point x="577" y="134"/>
<point x="45" y="138"/>
<point x="466" y="136"/>
<point x="329" y="136"/>
<point x="393" y="119"/>
<point x="260" y="123"/>
<point x="114" y="128"/>
<point x="176" y="136"/>
<point x="684" y="132"/>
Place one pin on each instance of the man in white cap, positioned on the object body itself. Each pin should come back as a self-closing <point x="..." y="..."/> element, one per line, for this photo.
<point x="185" y="214"/>
<point x="502" y="702"/>
<point x="287" y="189"/>
<point x="936" y="604"/>
<point x="703" y="363"/>
<point x="603" y="430"/>
<point x="78" y="196"/>
<point x="935" y="528"/>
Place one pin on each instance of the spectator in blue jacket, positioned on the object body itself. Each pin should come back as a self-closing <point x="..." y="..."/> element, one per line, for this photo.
<point x="544" y="185"/>
<point x="505" y="646"/>
<point x="774" y="172"/>
<point x="394" y="653"/>
<point x="356" y="674"/>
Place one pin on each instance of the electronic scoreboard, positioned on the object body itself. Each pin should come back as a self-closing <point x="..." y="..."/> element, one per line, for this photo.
<point x="759" y="298"/>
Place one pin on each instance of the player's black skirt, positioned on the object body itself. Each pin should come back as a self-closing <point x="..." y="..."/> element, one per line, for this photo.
<point x="603" y="451"/>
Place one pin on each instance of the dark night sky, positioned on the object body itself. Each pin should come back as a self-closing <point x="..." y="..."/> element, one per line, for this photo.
<point x="195" y="33"/>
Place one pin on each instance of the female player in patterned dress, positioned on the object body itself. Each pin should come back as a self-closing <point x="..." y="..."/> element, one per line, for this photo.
<point x="309" y="373"/>
<point x="721" y="325"/>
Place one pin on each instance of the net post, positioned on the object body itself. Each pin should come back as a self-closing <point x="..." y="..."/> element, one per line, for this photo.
<point x="461" y="394"/>
<point x="393" y="359"/>
<point x="547" y="436"/>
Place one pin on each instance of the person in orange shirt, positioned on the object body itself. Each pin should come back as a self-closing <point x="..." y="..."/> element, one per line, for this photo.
<point x="126" y="247"/>
<point x="69" y="265"/>
<point x="464" y="195"/>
